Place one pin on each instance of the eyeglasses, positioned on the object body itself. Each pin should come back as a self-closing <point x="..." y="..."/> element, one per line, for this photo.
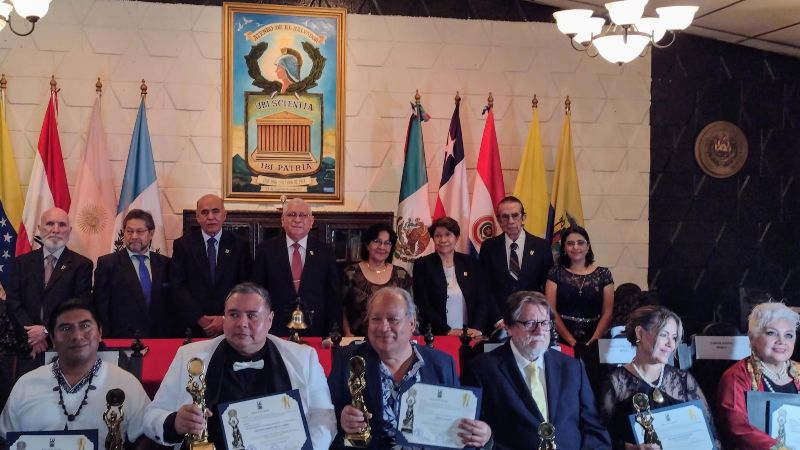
<point x="531" y="325"/>
<point x="507" y="217"/>
<point x="297" y="215"/>
<point x="380" y="243"/>
<point x="578" y="243"/>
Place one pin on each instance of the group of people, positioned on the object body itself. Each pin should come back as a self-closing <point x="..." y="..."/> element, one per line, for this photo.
<point x="211" y="286"/>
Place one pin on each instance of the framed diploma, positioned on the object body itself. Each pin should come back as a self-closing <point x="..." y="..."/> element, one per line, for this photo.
<point x="679" y="427"/>
<point x="429" y="414"/>
<point x="784" y="421"/>
<point x="275" y="421"/>
<point x="50" y="440"/>
<point x="758" y="406"/>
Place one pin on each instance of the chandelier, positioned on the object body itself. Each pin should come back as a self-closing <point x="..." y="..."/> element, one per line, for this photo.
<point x="31" y="10"/>
<point x="628" y="34"/>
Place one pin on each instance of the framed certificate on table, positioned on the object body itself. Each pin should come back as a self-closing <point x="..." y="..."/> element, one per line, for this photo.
<point x="49" y="440"/>
<point x="679" y="427"/>
<point x="429" y="414"/>
<point x="274" y="421"/>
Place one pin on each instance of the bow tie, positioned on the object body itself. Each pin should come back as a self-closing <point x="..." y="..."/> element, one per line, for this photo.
<point x="241" y="365"/>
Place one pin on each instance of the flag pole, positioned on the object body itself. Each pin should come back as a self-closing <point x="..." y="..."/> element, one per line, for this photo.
<point x="535" y="102"/>
<point x="457" y="99"/>
<point x="98" y="87"/>
<point x="143" y="88"/>
<point x="490" y="100"/>
<point x="3" y="85"/>
<point x="567" y="104"/>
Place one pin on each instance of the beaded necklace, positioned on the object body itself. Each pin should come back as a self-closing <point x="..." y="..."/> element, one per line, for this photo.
<point x="63" y="385"/>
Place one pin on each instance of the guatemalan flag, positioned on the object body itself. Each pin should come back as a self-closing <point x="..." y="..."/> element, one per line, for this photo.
<point x="453" y="198"/>
<point x="139" y="186"/>
<point x="413" y="212"/>
<point x="10" y="198"/>
<point x="48" y="185"/>
<point x="488" y="189"/>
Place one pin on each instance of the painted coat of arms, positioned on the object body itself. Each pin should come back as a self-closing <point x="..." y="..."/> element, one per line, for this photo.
<point x="284" y="110"/>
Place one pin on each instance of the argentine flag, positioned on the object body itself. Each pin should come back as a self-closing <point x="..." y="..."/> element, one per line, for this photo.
<point x="139" y="187"/>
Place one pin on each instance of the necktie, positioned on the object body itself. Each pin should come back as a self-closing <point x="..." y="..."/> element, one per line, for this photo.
<point x="212" y="256"/>
<point x="297" y="267"/>
<point x="144" y="279"/>
<point x="49" y="264"/>
<point x="537" y="390"/>
<point x="513" y="261"/>
<point x="241" y="365"/>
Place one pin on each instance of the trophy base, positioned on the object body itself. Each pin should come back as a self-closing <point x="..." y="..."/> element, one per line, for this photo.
<point x="201" y="446"/>
<point x="294" y="336"/>
<point x="357" y="441"/>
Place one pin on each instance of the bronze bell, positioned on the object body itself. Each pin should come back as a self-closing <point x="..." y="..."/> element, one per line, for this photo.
<point x="298" y="320"/>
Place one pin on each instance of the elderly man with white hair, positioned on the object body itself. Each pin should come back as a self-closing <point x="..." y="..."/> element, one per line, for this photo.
<point x="772" y="329"/>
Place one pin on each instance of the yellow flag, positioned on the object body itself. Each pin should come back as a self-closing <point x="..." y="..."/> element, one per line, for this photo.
<point x="531" y="185"/>
<point x="566" y="197"/>
<point x="10" y="191"/>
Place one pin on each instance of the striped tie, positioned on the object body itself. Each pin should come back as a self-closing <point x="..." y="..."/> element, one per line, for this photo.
<point x="513" y="261"/>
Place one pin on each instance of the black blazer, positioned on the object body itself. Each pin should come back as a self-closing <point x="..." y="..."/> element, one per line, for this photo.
<point x="430" y="292"/>
<point x="120" y="301"/>
<point x="537" y="259"/>
<point x="320" y="286"/>
<point x="30" y="302"/>
<point x="439" y="369"/>
<point x="508" y="406"/>
<point x="194" y="293"/>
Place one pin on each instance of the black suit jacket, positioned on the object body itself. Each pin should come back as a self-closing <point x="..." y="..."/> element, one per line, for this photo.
<point x="120" y="301"/>
<point x="439" y="369"/>
<point x="537" y="259"/>
<point x="508" y="406"/>
<point x="430" y="292"/>
<point x="194" y="293"/>
<point x="30" y="302"/>
<point x="320" y="287"/>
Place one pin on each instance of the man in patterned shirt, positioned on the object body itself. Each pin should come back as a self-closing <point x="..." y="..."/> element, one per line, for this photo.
<point x="393" y="365"/>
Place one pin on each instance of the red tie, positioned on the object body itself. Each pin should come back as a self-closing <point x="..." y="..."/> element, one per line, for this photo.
<point x="297" y="267"/>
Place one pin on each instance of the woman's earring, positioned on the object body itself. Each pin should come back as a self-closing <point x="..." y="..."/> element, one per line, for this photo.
<point x="638" y="340"/>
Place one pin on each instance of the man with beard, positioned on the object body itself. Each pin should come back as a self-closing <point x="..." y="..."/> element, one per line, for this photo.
<point x="131" y="286"/>
<point x="70" y="393"/>
<point x="45" y="278"/>
<point x="525" y="384"/>
<point x="246" y="362"/>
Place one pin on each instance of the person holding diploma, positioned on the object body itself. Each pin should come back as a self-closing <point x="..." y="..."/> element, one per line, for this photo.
<point x="772" y="329"/>
<point x="525" y="384"/>
<point x="245" y="362"/>
<point x="656" y="332"/>
<point x="394" y="363"/>
<point x="450" y="287"/>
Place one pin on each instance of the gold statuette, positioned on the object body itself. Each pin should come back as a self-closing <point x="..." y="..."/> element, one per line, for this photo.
<point x="196" y="387"/>
<point x="357" y="383"/>
<point x="645" y="418"/>
<point x="113" y="418"/>
<point x="547" y="436"/>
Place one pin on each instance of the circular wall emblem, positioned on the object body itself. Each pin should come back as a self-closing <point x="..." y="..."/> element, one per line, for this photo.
<point x="483" y="229"/>
<point x="721" y="149"/>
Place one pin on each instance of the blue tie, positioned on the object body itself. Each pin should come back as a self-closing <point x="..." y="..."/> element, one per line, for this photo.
<point x="212" y="256"/>
<point x="144" y="279"/>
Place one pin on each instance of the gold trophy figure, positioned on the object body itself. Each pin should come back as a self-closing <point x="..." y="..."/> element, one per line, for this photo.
<point x="113" y="418"/>
<point x="645" y="418"/>
<point x="547" y="436"/>
<point x="196" y="387"/>
<point x="357" y="384"/>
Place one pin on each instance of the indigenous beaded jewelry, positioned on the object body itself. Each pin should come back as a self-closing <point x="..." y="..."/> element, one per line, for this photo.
<point x="64" y="386"/>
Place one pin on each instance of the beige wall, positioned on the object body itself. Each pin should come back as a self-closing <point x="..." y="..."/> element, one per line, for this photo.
<point x="177" y="49"/>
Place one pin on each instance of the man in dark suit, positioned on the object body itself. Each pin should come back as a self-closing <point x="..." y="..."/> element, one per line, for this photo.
<point x="205" y="266"/>
<point x="525" y="384"/>
<point x="389" y="355"/>
<point x="131" y="286"/>
<point x="45" y="278"/>
<point x="295" y="266"/>
<point x="515" y="260"/>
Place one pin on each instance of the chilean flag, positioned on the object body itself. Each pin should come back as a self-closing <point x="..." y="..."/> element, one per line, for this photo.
<point x="453" y="197"/>
<point x="488" y="189"/>
<point x="48" y="185"/>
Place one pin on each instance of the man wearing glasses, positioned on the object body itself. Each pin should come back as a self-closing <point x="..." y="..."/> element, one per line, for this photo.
<point x="515" y="260"/>
<point x="525" y="384"/>
<point x="296" y="266"/>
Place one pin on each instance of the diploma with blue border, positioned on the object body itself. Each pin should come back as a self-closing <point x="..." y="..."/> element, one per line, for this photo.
<point x="49" y="440"/>
<point x="275" y="421"/>
<point x="429" y="414"/>
<point x="679" y="427"/>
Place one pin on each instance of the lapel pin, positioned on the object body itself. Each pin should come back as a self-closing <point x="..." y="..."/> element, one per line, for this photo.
<point x="227" y="250"/>
<point x="63" y="267"/>
<point x="311" y="252"/>
<point x="466" y="274"/>
<point x="531" y="253"/>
